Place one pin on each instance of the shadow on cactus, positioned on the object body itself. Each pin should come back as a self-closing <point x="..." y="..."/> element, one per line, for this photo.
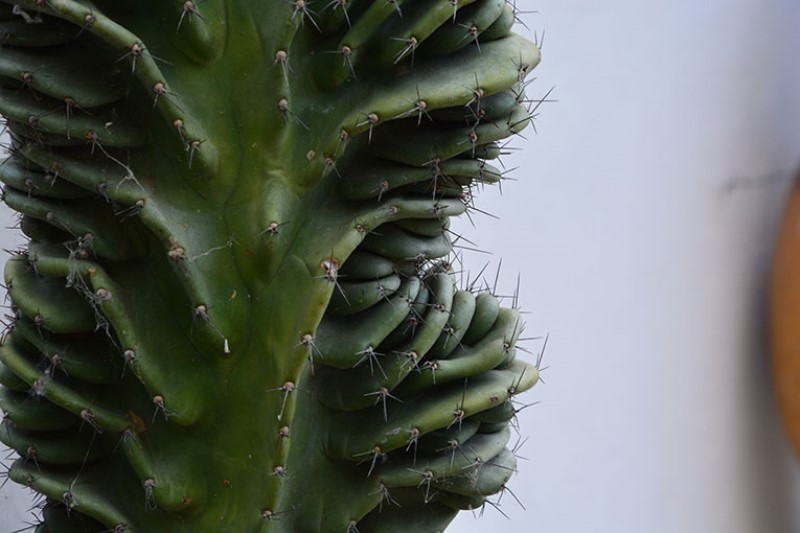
<point x="236" y="311"/>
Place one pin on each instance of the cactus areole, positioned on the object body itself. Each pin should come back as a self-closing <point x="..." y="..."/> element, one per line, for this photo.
<point x="235" y="311"/>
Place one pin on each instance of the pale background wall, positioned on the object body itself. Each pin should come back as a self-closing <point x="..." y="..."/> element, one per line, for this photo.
<point x="642" y="222"/>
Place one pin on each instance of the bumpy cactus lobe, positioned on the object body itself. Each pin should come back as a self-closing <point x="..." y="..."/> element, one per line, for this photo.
<point x="234" y="311"/>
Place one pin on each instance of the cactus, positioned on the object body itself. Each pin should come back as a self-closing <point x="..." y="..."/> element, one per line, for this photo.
<point x="235" y="311"/>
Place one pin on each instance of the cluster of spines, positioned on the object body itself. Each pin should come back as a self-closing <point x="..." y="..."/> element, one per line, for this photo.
<point x="417" y="190"/>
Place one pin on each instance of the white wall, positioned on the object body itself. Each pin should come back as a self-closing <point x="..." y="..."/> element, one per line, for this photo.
<point x="642" y="222"/>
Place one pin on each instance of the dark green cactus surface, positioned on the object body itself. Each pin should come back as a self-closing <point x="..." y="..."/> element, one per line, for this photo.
<point x="236" y="310"/>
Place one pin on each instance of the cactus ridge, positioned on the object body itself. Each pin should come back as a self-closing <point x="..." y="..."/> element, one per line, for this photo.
<point x="237" y="310"/>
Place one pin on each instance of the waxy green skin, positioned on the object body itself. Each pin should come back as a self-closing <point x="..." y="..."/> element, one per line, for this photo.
<point x="201" y="174"/>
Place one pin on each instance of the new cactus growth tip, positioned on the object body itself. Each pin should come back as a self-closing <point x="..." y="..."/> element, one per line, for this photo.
<point x="236" y="311"/>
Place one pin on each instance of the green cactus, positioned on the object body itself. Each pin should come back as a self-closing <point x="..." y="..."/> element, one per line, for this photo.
<point x="235" y="311"/>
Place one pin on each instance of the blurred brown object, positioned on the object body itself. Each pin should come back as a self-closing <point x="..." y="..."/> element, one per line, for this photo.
<point x="785" y="318"/>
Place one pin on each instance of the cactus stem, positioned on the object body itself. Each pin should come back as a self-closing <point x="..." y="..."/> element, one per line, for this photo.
<point x="375" y="256"/>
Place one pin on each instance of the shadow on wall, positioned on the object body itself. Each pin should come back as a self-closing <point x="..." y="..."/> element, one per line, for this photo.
<point x="771" y="468"/>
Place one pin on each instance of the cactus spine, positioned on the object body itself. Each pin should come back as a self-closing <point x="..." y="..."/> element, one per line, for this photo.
<point x="235" y="311"/>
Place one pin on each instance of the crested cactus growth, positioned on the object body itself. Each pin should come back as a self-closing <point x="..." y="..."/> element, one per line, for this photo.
<point x="235" y="311"/>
